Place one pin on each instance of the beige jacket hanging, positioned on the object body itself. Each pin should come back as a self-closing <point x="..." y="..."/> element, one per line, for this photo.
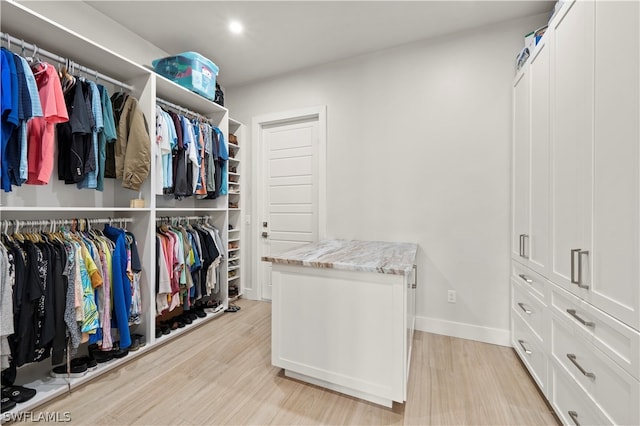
<point x="133" y="146"/>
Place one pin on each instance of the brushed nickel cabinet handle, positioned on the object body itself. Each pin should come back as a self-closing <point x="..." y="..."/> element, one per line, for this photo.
<point x="580" y="254"/>
<point x="574" y="417"/>
<point x="526" y="311"/>
<point x="520" y="247"/>
<point x="526" y="278"/>
<point x="573" y="266"/>
<point x="523" y="246"/>
<point x="582" y="321"/>
<point x="524" y="348"/>
<point x="415" y="277"/>
<point x="573" y="359"/>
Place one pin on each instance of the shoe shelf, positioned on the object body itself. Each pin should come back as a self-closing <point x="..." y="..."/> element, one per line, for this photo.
<point x="234" y="298"/>
<point x="235" y="263"/>
<point x="105" y="367"/>
<point x="47" y="388"/>
<point x="211" y="314"/>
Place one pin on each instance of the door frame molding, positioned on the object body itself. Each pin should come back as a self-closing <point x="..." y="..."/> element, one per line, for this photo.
<point x="257" y="197"/>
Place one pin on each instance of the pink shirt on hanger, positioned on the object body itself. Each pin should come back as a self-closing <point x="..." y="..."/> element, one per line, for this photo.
<point x="41" y="130"/>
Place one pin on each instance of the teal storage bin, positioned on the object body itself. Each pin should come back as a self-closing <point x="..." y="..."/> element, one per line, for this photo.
<point x="190" y="70"/>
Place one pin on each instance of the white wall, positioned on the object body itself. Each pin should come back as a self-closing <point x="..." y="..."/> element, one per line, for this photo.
<point x="93" y="25"/>
<point x="419" y="150"/>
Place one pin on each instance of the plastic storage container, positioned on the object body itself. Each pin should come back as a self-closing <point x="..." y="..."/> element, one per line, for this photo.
<point x="190" y="70"/>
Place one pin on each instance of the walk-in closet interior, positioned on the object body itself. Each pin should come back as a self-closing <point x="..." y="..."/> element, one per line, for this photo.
<point x="421" y="212"/>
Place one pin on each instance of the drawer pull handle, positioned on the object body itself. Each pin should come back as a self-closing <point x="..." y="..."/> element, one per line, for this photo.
<point x="572" y="358"/>
<point x="526" y="311"/>
<point x="524" y="348"/>
<point x="574" y="417"/>
<point x="526" y="278"/>
<point x="572" y="312"/>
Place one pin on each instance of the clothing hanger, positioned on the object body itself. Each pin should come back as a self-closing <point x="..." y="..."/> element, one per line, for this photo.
<point x="16" y="233"/>
<point x="34" y="61"/>
<point x="67" y="80"/>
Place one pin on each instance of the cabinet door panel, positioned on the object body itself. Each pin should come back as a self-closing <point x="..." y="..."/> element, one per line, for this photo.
<point x="520" y="221"/>
<point x="539" y="184"/>
<point x="571" y="135"/>
<point x="616" y="214"/>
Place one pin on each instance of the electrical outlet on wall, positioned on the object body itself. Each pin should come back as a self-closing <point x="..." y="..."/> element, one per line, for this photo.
<point x="451" y="296"/>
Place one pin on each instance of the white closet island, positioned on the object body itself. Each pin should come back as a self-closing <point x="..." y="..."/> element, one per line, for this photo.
<point x="343" y="316"/>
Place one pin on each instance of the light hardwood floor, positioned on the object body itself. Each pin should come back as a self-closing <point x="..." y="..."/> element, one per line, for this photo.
<point x="221" y="373"/>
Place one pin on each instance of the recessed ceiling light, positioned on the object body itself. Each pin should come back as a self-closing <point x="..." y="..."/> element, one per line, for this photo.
<point x="236" y="27"/>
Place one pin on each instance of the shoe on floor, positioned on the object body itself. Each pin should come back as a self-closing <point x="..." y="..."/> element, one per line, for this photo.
<point x="141" y="339"/>
<point x="78" y="369"/>
<point x="18" y="393"/>
<point x="88" y="360"/>
<point x="101" y="356"/>
<point x="7" y="404"/>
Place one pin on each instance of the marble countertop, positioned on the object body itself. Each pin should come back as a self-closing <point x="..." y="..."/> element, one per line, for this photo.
<point x="349" y="255"/>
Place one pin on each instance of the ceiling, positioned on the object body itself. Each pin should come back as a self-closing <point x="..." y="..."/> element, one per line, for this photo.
<point x="283" y="36"/>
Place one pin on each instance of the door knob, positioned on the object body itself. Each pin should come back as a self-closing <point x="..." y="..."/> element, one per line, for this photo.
<point x="265" y="234"/>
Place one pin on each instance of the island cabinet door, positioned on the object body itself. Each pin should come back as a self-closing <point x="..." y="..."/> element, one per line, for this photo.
<point x="345" y="329"/>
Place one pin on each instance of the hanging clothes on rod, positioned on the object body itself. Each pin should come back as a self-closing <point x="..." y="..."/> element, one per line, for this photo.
<point x="190" y="154"/>
<point x="68" y="283"/>
<point x="188" y="259"/>
<point x="36" y="99"/>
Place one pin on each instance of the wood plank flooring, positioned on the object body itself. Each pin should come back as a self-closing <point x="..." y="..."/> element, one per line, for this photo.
<point x="221" y="373"/>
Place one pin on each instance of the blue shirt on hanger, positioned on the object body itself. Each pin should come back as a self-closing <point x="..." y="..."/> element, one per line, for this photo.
<point x="121" y="285"/>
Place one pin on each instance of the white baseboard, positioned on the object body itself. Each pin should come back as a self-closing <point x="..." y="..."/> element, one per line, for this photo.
<point x="495" y="336"/>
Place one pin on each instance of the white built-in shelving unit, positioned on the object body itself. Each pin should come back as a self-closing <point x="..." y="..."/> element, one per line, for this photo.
<point x="59" y="201"/>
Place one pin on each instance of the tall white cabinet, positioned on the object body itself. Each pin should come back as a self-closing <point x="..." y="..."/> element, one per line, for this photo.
<point x="576" y="182"/>
<point x="59" y="201"/>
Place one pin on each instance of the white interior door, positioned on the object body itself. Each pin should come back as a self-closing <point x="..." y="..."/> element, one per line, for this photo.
<point x="290" y="189"/>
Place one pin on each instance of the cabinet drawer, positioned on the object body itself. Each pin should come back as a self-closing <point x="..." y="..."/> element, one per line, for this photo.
<point x="612" y="337"/>
<point x="571" y="403"/>
<point x="529" y="350"/>
<point x="615" y="391"/>
<point x="530" y="309"/>
<point x="535" y="282"/>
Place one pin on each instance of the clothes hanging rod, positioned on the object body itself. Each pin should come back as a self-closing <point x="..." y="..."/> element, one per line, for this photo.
<point x="17" y="223"/>
<point x="183" y="109"/>
<point x="60" y="59"/>
<point x="160" y="219"/>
